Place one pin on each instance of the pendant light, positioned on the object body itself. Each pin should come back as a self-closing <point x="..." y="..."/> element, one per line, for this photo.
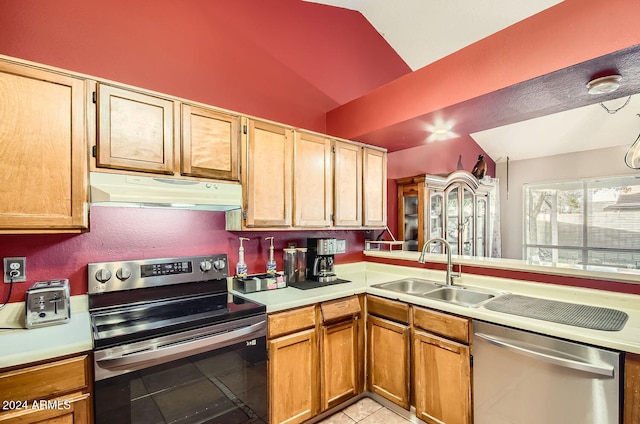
<point x="609" y="84"/>
<point x="632" y="158"/>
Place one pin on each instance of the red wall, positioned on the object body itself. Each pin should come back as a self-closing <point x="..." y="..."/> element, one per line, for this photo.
<point x="438" y="157"/>
<point x="285" y="60"/>
<point x="135" y="233"/>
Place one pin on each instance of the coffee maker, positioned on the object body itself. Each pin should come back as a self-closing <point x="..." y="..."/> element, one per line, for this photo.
<point x="320" y="252"/>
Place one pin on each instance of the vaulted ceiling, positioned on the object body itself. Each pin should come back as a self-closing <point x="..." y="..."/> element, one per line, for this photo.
<point x="480" y="67"/>
<point x="379" y="72"/>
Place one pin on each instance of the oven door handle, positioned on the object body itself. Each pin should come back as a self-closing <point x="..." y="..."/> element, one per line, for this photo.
<point x="155" y="355"/>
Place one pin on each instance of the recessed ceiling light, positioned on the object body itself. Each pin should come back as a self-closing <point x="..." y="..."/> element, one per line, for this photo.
<point x="442" y="130"/>
<point x="604" y="85"/>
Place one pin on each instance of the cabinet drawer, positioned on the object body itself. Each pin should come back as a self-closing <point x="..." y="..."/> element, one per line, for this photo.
<point x="336" y="309"/>
<point x="45" y="380"/>
<point x="451" y="326"/>
<point x="289" y="321"/>
<point x="386" y="308"/>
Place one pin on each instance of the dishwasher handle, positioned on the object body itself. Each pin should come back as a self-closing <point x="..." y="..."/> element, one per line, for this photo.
<point x="528" y="351"/>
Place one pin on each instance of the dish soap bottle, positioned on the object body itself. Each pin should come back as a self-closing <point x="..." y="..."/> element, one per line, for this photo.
<point x="271" y="263"/>
<point x="241" y="266"/>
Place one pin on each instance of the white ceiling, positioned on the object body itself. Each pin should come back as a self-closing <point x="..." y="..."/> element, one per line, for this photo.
<point x="586" y="128"/>
<point x="423" y="31"/>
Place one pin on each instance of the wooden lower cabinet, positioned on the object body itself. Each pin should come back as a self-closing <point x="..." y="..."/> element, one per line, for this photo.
<point x="632" y="389"/>
<point x="339" y="363"/>
<point x="65" y="410"/>
<point x="442" y="379"/>
<point x="293" y="377"/>
<point x="342" y="351"/>
<point x="388" y="359"/>
<point x="57" y="392"/>
<point x="441" y="367"/>
<point x="316" y="359"/>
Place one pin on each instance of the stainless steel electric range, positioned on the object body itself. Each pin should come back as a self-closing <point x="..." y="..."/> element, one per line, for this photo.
<point x="171" y="345"/>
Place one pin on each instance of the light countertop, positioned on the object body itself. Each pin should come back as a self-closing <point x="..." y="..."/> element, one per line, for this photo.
<point x="290" y="297"/>
<point x="626" y="275"/>
<point x="20" y="346"/>
<point x="366" y="274"/>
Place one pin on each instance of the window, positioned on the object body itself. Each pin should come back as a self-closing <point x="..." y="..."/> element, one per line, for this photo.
<point x="587" y="222"/>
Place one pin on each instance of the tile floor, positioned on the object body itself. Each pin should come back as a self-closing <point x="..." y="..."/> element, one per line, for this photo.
<point x="365" y="411"/>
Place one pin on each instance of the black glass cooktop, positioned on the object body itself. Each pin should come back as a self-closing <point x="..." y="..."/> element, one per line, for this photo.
<point x="120" y="324"/>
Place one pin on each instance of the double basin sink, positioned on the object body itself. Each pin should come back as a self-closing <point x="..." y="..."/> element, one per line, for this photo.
<point x="457" y="295"/>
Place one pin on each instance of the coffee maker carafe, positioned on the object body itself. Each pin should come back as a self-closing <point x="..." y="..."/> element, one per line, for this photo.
<point x="320" y="253"/>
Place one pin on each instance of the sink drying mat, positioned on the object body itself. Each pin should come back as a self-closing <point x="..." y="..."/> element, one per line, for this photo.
<point x="593" y="317"/>
<point x="308" y="284"/>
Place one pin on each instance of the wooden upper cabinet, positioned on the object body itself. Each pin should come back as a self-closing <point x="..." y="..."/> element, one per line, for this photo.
<point x="135" y="131"/>
<point x="43" y="151"/>
<point x="267" y="185"/>
<point x="375" y="188"/>
<point x="312" y="181"/>
<point x="348" y="185"/>
<point x="210" y="141"/>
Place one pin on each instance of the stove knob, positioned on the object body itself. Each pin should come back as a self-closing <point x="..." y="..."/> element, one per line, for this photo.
<point x="219" y="265"/>
<point x="123" y="274"/>
<point x="205" y="266"/>
<point x="103" y="275"/>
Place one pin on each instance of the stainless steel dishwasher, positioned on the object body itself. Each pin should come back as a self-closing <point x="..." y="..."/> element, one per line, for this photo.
<point x="521" y="378"/>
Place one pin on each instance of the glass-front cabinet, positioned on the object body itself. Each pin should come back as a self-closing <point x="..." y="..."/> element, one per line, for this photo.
<point x="411" y="212"/>
<point x="454" y="207"/>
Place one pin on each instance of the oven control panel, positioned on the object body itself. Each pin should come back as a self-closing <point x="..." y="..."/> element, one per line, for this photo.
<point x="166" y="268"/>
<point x="104" y="277"/>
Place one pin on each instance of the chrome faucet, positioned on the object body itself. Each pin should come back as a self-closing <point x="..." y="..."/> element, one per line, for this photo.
<point x="447" y="247"/>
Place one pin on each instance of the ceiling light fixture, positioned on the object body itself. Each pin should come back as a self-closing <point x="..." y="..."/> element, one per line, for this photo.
<point x="604" y="85"/>
<point x="442" y="130"/>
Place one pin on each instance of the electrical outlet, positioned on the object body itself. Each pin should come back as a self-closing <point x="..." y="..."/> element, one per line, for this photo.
<point x="16" y="268"/>
<point x="341" y="246"/>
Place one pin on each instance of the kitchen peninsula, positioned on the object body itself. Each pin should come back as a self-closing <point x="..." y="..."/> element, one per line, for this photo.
<point x="365" y="276"/>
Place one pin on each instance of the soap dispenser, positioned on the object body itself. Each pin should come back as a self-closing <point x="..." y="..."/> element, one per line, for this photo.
<point x="241" y="266"/>
<point x="271" y="263"/>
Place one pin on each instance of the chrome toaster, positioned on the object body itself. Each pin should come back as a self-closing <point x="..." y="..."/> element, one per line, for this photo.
<point x="47" y="303"/>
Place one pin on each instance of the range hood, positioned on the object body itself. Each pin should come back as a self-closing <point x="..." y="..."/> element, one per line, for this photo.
<point x="139" y="191"/>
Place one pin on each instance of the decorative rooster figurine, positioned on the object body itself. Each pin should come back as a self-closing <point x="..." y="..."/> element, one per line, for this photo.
<point x="480" y="168"/>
